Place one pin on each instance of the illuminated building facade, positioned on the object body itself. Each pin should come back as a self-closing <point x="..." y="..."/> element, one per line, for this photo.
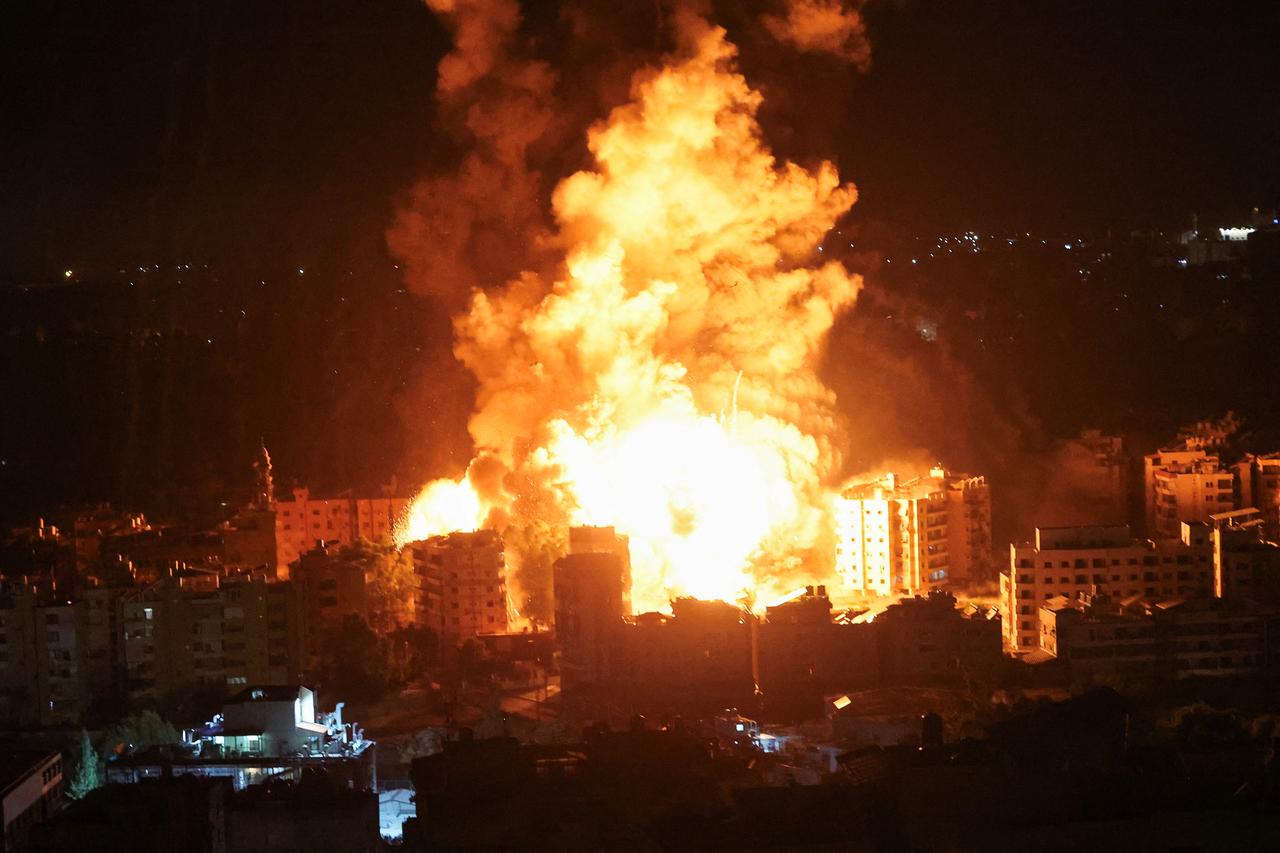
<point x="301" y="522"/>
<point x="902" y="538"/>
<point x="1246" y="564"/>
<point x="462" y="584"/>
<point x="31" y="791"/>
<point x="265" y="732"/>
<point x="1185" y="484"/>
<point x="1260" y="488"/>
<point x="1077" y="561"/>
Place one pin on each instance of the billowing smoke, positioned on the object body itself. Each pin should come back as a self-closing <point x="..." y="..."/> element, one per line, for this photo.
<point x="645" y="347"/>
<point x="823" y="26"/>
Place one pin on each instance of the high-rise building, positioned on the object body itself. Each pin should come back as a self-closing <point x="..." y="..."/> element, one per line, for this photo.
<point x="1077" y="561"/>
<point x="605" y="540"/>
<point x="590" y="591"/>
<point x="303" y="521"/>
<point x="331" y="588"/>
<point x="903" y="537"/>
<point x="462" y="584"/>
<point x="199" y="630"/>
<point x="43" y="671"/>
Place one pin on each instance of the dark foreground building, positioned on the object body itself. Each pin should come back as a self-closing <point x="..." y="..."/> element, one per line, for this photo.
<point x="204" y="815"/>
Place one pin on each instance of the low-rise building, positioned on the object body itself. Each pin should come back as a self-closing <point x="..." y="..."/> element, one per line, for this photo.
<point x="264" y="732"/>
<point x="31" y="789"/>
<point x="1106" y="641"/>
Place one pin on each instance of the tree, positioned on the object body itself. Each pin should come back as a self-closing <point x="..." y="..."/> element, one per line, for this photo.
<point x="142" y="729"/>
<point x="87" y="774"/>
<point x="390" y="582"/>
<point x="354" y="663"/>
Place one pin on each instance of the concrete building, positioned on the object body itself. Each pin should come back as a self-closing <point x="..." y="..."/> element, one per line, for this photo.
<point x="331" y="589"/>
<point x="89" y="529"/>
<point x="805" y="654"/>
<point x="198" y="630"/>
<point x="928" y="641"/>
<point x="703" y="656"/>
<point x="462" y="584"/>
<point x="589" y="609"/>
<point x="1246" y="565"/>
<point x="31" y="789"/>
<point x="902" y="538"/>
<point x="265" y="732"/>
<point x="1107" y="641"/>
<point x="315" y="815"/>
<point x="1077" y="561"/>
<point x="156" y="816"/>
<point x="1185" y="484"/>
<point x="1260" y="488"/>
<point x="300" y="522"/>
<point x="43" y="666"/>
<point x="605" y="540"/>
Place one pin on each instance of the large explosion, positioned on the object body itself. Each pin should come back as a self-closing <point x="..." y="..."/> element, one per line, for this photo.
<point x="663" y="380"/>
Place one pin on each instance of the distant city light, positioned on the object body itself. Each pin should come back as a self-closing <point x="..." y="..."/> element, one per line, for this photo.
<point x="66" y="273"/>
<point x="1235" y="234"/>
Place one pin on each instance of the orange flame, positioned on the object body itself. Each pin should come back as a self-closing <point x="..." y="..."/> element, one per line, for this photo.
<point x="666" y="383"/>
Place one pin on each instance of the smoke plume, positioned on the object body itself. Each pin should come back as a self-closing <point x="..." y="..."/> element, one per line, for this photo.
<point x="651" y="363"/>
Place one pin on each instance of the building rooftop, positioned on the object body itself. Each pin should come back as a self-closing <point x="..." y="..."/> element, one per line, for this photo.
<point x="267" y="693"/>
<point x="17" y="764"/>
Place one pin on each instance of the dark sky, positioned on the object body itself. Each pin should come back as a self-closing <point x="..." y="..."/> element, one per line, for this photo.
<point x="244" y="129"/>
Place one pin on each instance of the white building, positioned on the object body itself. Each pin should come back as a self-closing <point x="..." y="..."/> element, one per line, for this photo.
<point x="1076" y="562"/>
<point x="901" y="538"/>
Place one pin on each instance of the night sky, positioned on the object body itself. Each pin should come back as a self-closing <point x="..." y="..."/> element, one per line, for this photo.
<point x="263" y="139"/>
<point x="243" y="130"/>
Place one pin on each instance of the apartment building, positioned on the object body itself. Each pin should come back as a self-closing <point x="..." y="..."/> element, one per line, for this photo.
<point x="303" y="521"/>
<point x="898" y="537"/>
<point x="462" y="584"/>
<point x="1077" y="561"/>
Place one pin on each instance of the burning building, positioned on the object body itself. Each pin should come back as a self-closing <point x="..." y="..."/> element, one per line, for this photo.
<point x="904" y="537"/>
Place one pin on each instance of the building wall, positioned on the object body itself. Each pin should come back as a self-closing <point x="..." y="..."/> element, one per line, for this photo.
<point x="1113" y="564"/>
<point x="300" y="522"/>
<point x="43" y="665"/>
<point x="33" y="798"/>
<point x="462" y="584"/>
<point x="331" y="589"/>
<point x="904" y="538"/>
<point x="588" y="593"/>
<point x="1195" y="639"/>
<point x="216" y="635"/>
